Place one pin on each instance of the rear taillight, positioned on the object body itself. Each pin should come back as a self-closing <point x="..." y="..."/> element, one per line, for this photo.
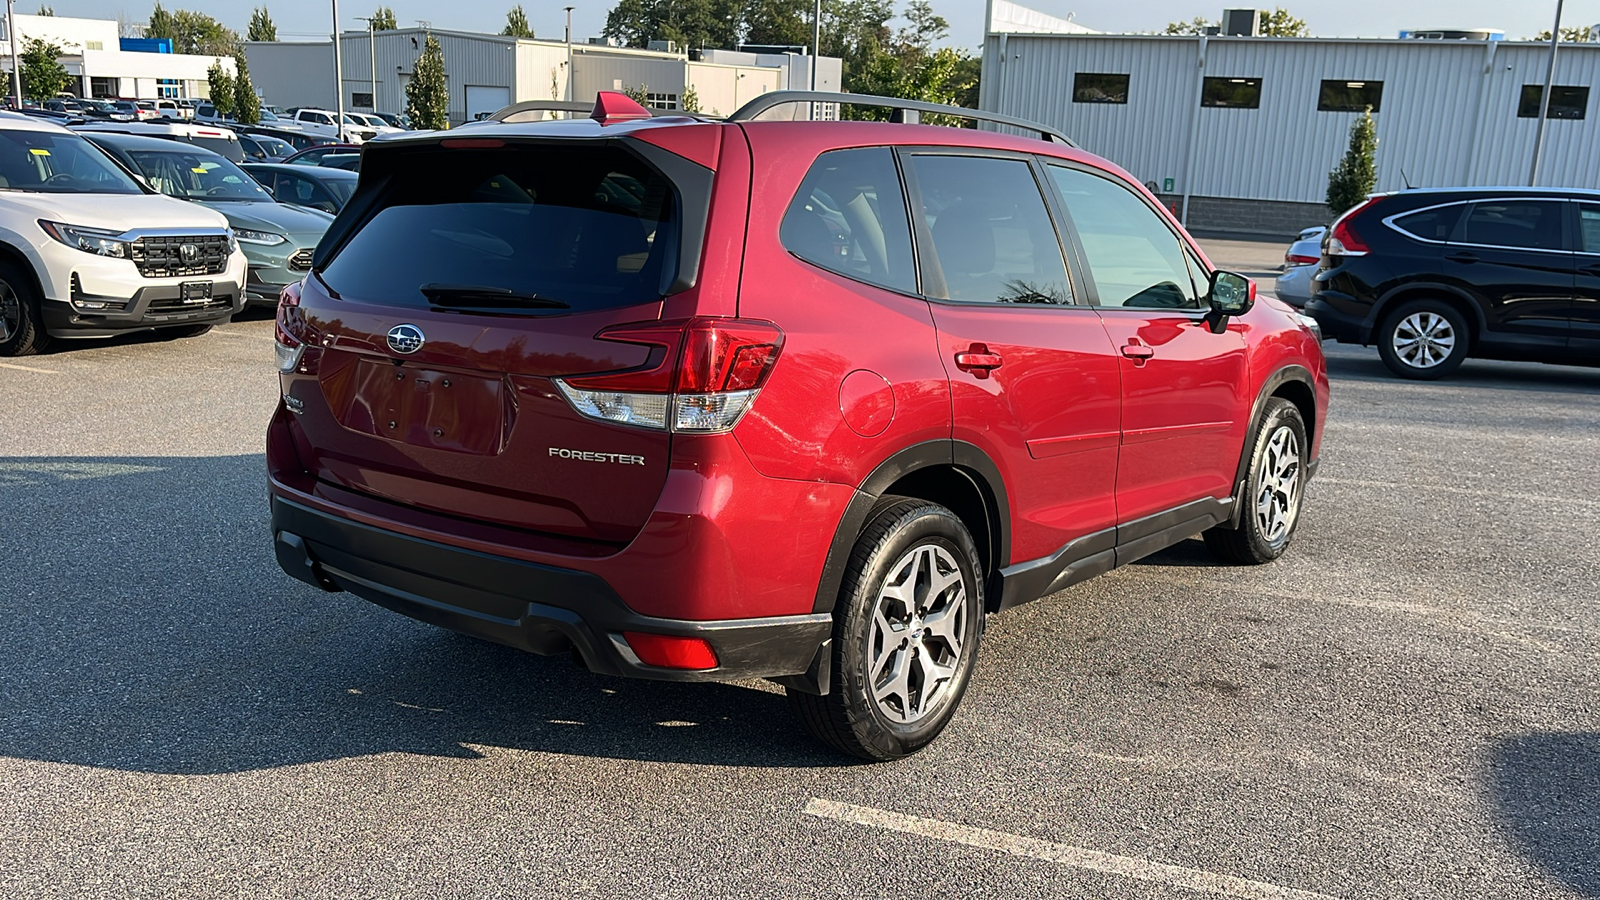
<point x="702" y="375"/>
<point x="286" y="329"/>
<point x="1342" y="240"/>
<point x="1296" y="259"/>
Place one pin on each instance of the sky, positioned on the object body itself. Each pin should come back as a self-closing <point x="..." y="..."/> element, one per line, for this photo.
<point x="310" y="19"/>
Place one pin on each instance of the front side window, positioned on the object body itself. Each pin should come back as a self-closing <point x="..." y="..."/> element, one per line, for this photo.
<point x="524" y="229"/>
<point x="993" y="239"/>
<point x="1350" y="96"/>
<point x="1567" y="101"/>
<point x="1521" y="224"/>
<point x="1099" y="87"/>
<point x="1231" y="93"/>
<point x="58" y="164"/>
<point x="1134" y="258"/>
<point x="849" y="217"/>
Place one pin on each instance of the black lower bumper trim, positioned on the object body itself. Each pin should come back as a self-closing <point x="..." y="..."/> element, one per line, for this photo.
<point x="538" y="608"/>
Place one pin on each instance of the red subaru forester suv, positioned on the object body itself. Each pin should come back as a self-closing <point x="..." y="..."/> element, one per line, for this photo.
<point x="795" y="400"/>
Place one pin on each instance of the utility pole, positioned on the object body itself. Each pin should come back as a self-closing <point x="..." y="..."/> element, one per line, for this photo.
<point x="11" y="31"/>
<point x="372" y="50"/>
<point x="569" y="51"/>
<point x="816" y="40"/>
<point x="1544" y="99"/>
<point x="338" y="75"/>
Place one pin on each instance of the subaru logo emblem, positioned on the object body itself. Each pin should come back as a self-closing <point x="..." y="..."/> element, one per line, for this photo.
<point x="189" y="253"/>
<point x="405" y="339"/>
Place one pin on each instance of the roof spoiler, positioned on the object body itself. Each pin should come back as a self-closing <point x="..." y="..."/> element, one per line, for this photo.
<point x="905" y="111"/>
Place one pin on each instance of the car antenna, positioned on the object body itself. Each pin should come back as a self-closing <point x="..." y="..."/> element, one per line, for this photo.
<point x="1405" y="179"/>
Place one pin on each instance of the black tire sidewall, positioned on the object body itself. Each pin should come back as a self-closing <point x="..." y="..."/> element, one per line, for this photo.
<point x="29" y="335"/>
<point x="1278" y="412"/>
<point x="915" y="523"/>
<point x="1398" y="366"/>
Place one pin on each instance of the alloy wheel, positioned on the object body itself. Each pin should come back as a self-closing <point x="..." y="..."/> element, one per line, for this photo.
<point x="1278" y="486"/>
<point x="10" y="312"/>
<point x="1423" y="339"/>
<point x="919" y="627"/>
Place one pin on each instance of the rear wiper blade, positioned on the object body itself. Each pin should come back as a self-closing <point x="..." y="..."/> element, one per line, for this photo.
<point x="485" y="295"/>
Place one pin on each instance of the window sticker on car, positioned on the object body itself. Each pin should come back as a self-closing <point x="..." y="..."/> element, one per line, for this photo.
<point x="38" y="151"/>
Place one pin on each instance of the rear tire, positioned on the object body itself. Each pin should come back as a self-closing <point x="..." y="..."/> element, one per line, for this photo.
<point x="21" y="326"/>
<point x="1424" y="340"/>
<point x="184" y="331"/>
<point x="1275" y="490"/>
<point x="905" y="634"/>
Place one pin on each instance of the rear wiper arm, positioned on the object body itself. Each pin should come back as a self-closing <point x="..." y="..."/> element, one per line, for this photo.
<point x="485" y="295"/>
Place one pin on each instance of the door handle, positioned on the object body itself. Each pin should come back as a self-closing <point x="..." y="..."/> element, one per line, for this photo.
<point x="978" y="360"/>
<point x="1138" y="351"/>
<point x="1462" y="257"/>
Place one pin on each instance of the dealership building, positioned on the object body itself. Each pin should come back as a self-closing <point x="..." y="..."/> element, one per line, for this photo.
<point x="1239" y="133"/>
<point x="484" y="72"/>
<point x="102" y="63"/>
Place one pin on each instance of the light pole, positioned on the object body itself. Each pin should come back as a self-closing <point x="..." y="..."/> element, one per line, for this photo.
<point x="372" y="50"/>
<point x="1544" y="99"/>
<point x="11" y="31"/>
<point x="338" y="75"/>
<point x="569" y="51"/>
<point x="816" y="40"/>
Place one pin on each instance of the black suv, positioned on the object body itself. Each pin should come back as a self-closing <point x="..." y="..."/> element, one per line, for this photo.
<point x="1435" y="276"/>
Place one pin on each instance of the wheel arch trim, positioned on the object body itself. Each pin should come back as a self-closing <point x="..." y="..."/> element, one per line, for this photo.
<point x="1269" y="388"/>
<point x="1421" y="290"/>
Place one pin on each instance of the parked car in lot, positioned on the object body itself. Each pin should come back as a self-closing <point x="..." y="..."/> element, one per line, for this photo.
<point x="221" y="141"/>
<point x="374" y="123"/>
<point x="206" y="113"/>
<point x="322" y="189"/>
<point x="321" y="121"/>
<point x="299" y="140"/>
<point x="86" y="251"/>
<point x="398" y="120"/>
<point x="132" y="110"/>
<point x="1300" y="264"/>
<point x="1434" y="276"/>
<point x="333" y="156"/>
<point x="277" y="238"/>
<point x="264" y="148"/>
<point x="626" y="387"/>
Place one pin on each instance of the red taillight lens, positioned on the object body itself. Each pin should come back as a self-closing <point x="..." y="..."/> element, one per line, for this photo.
<point x="287" y="329"/>
<point x="1342" y="239"/>
<point x="700" y="377"/>
<point x="670" y="651"/>
<point x="1295" y="259"/>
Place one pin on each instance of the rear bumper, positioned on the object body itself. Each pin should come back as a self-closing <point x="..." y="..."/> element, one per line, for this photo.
<point x="1337" y="324"/>
<point x="539" y="608"/>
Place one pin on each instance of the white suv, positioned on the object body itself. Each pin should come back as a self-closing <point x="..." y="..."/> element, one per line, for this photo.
<point x="320" y="121"/>
<point x="88" y="251"/>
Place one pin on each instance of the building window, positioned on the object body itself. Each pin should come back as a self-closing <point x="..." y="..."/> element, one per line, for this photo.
<point x="1233" y="93"/>
<point x="1350" y="96"/>
<point x="661" y="101"/>
<point x="362" y="98"/>
<point x="168" y="88"/>
<point x="1566" y="101"/>
<point x="94" y="45"/>
<point x="103" y="87"/>
<point x="1094" y="87"/>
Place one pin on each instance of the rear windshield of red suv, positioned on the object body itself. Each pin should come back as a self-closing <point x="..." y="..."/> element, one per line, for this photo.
<point x="577" y="229"/>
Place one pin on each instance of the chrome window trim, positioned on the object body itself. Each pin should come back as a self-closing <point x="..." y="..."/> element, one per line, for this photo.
<point x="1390" y="221"/>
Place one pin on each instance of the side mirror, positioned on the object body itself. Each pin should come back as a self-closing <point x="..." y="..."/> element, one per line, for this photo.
<point x="1231" y="295"/>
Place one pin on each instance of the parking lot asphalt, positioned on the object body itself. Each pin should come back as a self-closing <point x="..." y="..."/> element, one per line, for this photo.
<point x="1403" y="706"/>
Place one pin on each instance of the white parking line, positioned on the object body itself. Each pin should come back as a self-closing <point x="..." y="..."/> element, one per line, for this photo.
<point x="1077" y="857"/>
<point x="28" y="369"/>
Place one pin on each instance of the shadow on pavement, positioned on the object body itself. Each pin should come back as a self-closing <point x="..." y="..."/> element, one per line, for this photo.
<point x="150" y="630"/>
<point x="1547" y="790"/>
<point x="1190" y="554"/>
<point x="1351" y="363"/>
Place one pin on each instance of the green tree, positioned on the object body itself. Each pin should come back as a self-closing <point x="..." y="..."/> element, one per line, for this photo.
<point x="192" y="32"/>
<point x="1197" y="25"/>
<point x="220" y="88"/>
<point x="517" y="23"/>
<point x="427" y="95"/>
<point x="1357" y="173"/>
<point x="777" y="22"/>
<point x="690" y="101"/>
<point x="383" y="19"/>
<point x="45" y="10"/>
<point x="262" y="28"/>
<point x="1568" y="35"/>
<point x="246" y="103"/>
<point x="689" y="23"/>
<point x="43" y="75"/>
<point x="1274" y="23"/>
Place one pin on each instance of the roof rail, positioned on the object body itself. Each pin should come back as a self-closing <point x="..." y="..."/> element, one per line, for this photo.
<point x="906" y="111"/>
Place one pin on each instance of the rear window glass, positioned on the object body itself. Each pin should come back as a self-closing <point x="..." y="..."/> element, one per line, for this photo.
<point x="586" y="228"/>
<point x="229" y="150"/>
<point x="849" y="216"/>
<point x="1432" y="224"/>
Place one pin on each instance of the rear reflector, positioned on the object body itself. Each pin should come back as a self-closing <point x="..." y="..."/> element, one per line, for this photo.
<point x="670" y="651"/>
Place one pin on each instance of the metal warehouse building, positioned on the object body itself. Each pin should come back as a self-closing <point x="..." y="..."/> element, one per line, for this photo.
<point x="1240" y="133"/>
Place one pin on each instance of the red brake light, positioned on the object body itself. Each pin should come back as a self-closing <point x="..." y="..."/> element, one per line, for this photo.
<point x="472" y="143"/>
<point x="1295" y="259"/>
<point x="1342" y="240"/>
<point x="721" y="355"/>
<point x="670" y="651"/>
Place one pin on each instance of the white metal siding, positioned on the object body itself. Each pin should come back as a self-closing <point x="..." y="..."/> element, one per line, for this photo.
<point x="1448" y="114"/>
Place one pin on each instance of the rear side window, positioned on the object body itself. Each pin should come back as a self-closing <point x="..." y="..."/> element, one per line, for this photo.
<point x="992" y="235"/>
<point x="1135" y="259"/>
<point x="1589" y="228"/>
<point x="849" y="216"/>
<point x="1432" y="224"/>
<point x="579" y="229"/>
<point x="1526" y="224"/>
